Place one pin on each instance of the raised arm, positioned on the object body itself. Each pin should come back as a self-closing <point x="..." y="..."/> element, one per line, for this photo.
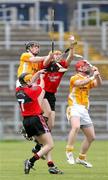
<point x="71" y="51"/>
<point x="41" y="96"/>
<point x="70" y="56"/>
<point x="48" y="59"/>
<point x="42" y="84"/>
<point x="36" y="76"/>
<point x="37" y="59"/>
<point x="96" y="78"/>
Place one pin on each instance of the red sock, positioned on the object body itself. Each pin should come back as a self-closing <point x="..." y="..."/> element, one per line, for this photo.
<point x="36" y="156"/>
<point x="50" y="163"/>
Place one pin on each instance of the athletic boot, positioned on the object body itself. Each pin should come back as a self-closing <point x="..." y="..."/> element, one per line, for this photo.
<point x="84" y="163"/>
<point x="70" y="158"/>
<point x="55" y="170"/>
<point x="27" y="166"/>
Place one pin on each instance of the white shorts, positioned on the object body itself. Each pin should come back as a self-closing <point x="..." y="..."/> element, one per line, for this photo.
<point x="79" y="111"/>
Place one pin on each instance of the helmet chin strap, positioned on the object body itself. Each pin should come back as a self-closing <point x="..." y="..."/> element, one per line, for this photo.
<point x="35" y="54"/>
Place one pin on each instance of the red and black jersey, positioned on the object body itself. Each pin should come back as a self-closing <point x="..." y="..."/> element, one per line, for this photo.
<point x="28" y="100"/>
<point x="52" y="79"/>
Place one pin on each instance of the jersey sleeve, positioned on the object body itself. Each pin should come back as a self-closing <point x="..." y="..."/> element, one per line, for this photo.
<point x="25" y="57"/>
<point x="72" y="80"/>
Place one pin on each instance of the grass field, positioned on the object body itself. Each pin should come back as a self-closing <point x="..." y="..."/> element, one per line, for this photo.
<point x="12" y="155"/>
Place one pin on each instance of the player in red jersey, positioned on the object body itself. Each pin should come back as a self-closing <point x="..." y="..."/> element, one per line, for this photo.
<point x="52" y="79"/>
<point x="30" y="98"/>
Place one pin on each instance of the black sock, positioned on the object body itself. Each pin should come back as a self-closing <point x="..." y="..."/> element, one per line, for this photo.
<point x="34" y="158"/>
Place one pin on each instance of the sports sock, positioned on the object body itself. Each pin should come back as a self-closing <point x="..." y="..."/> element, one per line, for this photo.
<point x="82" y="156"/>
<point x="69" y="148"/>
<point x="50" y="163"/>
<point x="34" y="158"/>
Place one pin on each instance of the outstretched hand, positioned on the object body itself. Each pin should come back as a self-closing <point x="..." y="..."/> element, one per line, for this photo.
<point x="96" y="73"/>
<point x="73" y="42"/>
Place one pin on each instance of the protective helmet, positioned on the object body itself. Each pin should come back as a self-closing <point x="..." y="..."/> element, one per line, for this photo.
<point x="81" y="63"/>
<point x="24" y="78"/>
<point x="56" y="52"/>
<point x="52" y="67"/>
<point x="31" y="44"/>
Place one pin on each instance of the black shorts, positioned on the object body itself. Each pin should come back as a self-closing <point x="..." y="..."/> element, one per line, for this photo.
<point x="35" y="125"/>
<point x="51" y="99"/>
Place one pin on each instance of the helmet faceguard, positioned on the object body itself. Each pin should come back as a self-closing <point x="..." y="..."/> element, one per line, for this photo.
<point x="56" y="55"/>
<point x="57" y="52"/>
<point x="83" y="66"/>
<point x="30" y="45"/>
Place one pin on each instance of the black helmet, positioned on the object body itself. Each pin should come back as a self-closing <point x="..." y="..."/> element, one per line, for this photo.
<point x="24" y="77"/>
<point x="30" y="44"/>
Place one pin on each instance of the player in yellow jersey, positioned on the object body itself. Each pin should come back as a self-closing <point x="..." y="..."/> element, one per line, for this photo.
<point x="30" y="62"/>
<point x="77" y="110"/>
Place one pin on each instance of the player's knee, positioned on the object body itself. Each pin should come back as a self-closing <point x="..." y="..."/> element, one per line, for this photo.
<point x="76" y="129"/>
<point x="92" y="138"/>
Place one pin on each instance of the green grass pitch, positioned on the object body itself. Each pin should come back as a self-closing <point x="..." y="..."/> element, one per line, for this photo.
<point x="13" y="153"/>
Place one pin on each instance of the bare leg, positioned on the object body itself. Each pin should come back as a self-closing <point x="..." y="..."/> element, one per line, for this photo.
<point x="47" y="141"/>
<point x="75" y="126"/>
<point x="46" y="108"/>
<point x="51" y="120"/>
<point x="90" y="136"/>
<point x="49" y="156"/>
<point x="48" y="113"/>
